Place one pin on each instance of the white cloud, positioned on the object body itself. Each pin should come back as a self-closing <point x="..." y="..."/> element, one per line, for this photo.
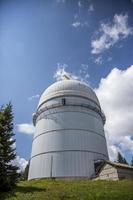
<point x="91" y="8"/>
<point x="115" y="93"/>
<point x="76" y="24"/>
<point x="34" y="97"/>
<point x="79" y="22"/>
<point x="99" y="60"/>
<point x="111" y="33"/>
<point x="21" y="163"/>
<point x="25" y="128"/>
<point x="126" y="143"/>
<point x="113" y="151"/>
<point x="61" y="72"/>
<point x="82" y="74"/>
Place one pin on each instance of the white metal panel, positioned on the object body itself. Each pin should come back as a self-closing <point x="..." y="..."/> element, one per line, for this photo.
<point x="64" y="164"/>
<point x="69" y="120"/>
<point x="69" y="140"/>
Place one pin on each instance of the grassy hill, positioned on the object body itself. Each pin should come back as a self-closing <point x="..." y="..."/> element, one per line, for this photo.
<point x="71" y="190"/>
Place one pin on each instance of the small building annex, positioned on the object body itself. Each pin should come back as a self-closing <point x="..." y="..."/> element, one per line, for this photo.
<point x="107" y="170"/>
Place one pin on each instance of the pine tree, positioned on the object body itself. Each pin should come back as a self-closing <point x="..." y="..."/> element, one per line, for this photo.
<point x="125" y="161"/>
<point x="131" y="163"/>
<point x="8" y="172"/>
<point x="121" y="159"/>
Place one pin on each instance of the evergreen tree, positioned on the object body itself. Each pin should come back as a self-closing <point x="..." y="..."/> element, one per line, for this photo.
<point x="131" y="163"/>
<point x="8" y="172"/>
<point x="121" y="159"/>
<point x="125" y="161"/>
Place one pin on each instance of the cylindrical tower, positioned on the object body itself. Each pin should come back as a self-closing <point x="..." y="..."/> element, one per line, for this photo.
<point x="69" y="135"/>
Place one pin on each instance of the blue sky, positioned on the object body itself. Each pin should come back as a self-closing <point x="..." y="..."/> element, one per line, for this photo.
<point x="89" y="39"/>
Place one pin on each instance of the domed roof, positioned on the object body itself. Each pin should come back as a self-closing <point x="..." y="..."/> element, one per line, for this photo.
<point x="68" y="87"/>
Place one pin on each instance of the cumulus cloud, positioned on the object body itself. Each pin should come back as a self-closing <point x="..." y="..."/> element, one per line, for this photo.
<point x="126" y="143"/>
<point x="25" y="128"/>
<point x="82" y="74"/>
<point x="115" y="93"/>
<point x="110" y="34"/>
<point x="20" y="162"/>
<point x="113" y="151"/>
<point x="34" y="97"/>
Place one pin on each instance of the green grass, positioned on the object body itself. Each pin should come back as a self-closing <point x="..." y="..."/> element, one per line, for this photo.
<point x="71" y="190"/>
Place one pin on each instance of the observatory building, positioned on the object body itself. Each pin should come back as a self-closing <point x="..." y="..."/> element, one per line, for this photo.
<point x="69" y="135"/>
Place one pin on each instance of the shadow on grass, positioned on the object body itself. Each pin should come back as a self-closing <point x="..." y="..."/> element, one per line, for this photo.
<point x="26" y="189"/>
<point x="20" y="189"/>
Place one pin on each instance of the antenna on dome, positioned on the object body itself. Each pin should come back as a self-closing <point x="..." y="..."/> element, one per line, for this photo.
<point x="67" y="76"/>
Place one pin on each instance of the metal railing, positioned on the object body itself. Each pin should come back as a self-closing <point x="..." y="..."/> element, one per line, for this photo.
<point x="90" y="107"/>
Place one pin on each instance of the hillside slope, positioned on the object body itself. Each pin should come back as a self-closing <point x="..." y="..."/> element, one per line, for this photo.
<point x="71" y="190"/>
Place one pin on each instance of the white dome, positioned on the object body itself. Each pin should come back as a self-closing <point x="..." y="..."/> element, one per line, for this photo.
<point x="68" y="87"/>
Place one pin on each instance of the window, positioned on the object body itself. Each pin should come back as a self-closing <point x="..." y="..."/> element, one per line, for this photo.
<point x="63" y="101"/>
